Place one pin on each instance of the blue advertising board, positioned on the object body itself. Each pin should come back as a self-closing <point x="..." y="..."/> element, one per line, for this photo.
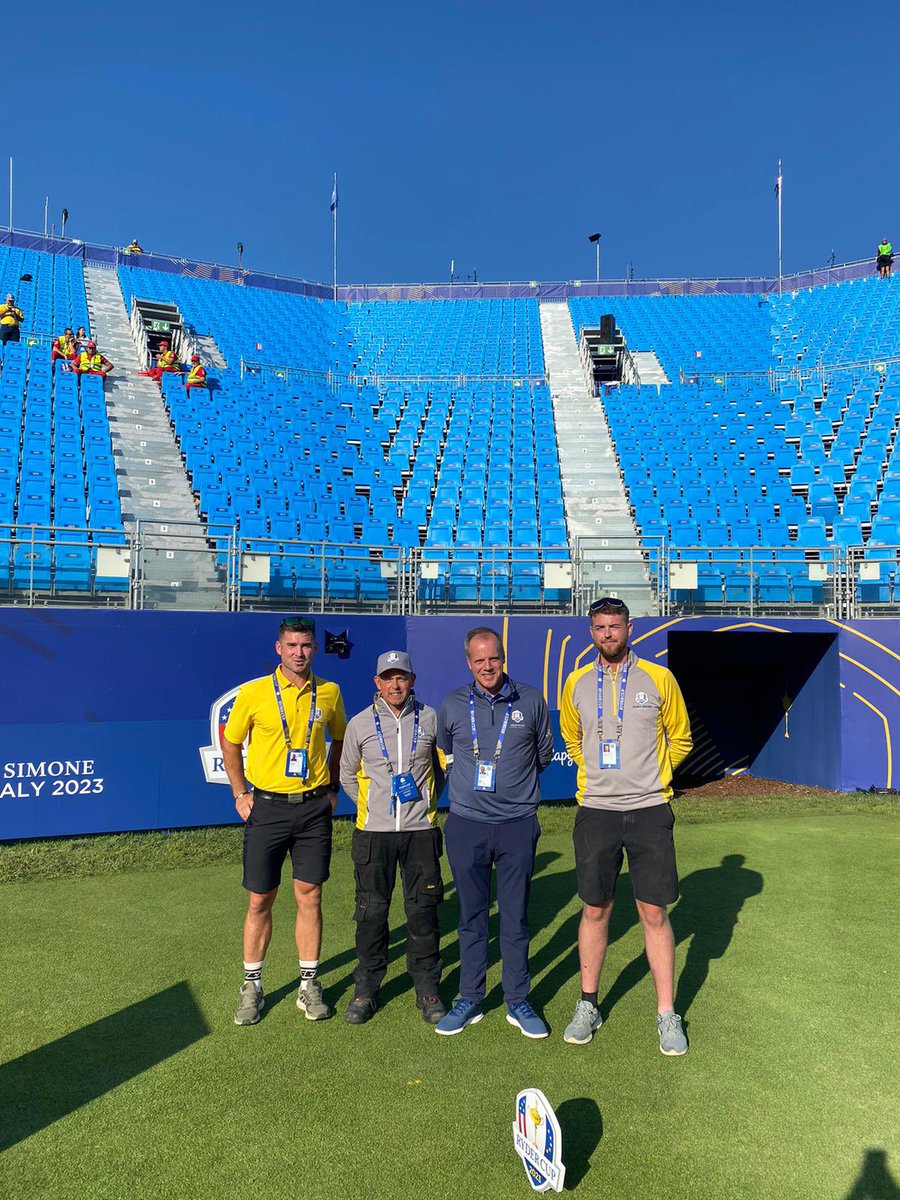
<point x="111" y="720"/>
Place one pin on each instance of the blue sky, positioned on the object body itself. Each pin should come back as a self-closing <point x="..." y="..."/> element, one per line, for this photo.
<point x="496" y="134"/>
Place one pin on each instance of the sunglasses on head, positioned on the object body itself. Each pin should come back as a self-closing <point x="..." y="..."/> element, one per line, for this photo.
<point x="298" y="625"/>
<point x="607" y="602"/>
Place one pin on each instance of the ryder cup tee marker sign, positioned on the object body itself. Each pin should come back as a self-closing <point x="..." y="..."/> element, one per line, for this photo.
<point x="537" y="1139"/>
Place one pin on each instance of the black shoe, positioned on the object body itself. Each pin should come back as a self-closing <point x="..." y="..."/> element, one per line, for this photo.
<point x="433" y="1009"/>
<point x="360" y="1009"/>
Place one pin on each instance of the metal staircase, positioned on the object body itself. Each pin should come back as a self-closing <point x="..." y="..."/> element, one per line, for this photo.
<point x="597" y="509"/>
<point x="177" y="565"/>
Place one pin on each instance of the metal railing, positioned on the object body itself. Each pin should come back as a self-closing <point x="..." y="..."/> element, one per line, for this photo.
<point x="160" y="565"/>
<point x="801" y="373"/>
<point x="357" y="379"/>
<point x="103" y="255"/>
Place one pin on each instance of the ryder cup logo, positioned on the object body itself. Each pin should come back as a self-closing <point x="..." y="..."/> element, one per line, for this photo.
<point x="517" y="717"/>
<point x="642" y="699"/>
<point x="211" y="756"/>
<point x="537" y="1139"/>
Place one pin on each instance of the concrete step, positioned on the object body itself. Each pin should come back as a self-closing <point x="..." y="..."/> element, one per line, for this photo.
<point x="153" y="485"/>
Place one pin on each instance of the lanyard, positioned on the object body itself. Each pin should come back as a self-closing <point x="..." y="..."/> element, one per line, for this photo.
<point x="503" y="727"/>
<point x="381" y="741"/>
<point x="312" y="711"/>
<point x="623" y="681"/>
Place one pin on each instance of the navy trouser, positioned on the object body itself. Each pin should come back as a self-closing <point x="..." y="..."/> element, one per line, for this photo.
<point x="473" y="847"/>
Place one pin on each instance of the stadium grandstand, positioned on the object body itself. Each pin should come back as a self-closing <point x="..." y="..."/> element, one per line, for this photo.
<point x="692" y="446"/>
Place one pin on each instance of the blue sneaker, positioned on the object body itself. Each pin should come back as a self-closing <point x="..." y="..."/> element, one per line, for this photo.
<point x="464" y="1012"/>
<point x="522" y="1015"/>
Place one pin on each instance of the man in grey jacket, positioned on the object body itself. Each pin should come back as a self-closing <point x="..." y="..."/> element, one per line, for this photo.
<point x="390" y="770"/>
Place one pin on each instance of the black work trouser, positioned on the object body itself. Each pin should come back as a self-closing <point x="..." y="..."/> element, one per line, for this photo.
<point x="376" y="857"/>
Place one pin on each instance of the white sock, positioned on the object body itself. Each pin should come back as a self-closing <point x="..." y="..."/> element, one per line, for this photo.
<point x="307" y="972"/>
<point x="253" y="974"/>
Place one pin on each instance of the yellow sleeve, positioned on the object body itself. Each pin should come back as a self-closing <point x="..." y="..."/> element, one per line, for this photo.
<point x="337" y="726"/>
<point x="676" y="721"/>
<point x="570" y="722"/>
<point x="239" y="719"/>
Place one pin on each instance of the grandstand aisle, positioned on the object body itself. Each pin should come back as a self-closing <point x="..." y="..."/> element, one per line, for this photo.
<point x="595" y="500"/>
<point x="649" y="368"/>
<point x="152" y="482"/>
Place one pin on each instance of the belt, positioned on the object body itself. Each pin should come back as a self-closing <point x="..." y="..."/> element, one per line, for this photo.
<point x="291" y="797"/>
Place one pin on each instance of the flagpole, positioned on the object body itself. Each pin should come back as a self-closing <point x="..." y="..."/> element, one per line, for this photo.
<point x="334" y="209"/>
<point x="780" y="190"/>
<point x="10" y="192"/>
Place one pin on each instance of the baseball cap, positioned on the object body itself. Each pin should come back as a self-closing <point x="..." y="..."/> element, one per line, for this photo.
<point x="394" y="660"/>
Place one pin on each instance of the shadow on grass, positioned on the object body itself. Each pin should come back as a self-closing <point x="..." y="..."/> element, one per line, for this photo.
<point x="707" y="911"/>
<point x="875" y="1181"/>
<point x="561" y="948"/>
<point x="54" y="1080"/>
<point x="582" y="1129"/>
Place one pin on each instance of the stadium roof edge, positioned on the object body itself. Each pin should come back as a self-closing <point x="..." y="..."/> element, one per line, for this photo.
<point x="113" y="256"/>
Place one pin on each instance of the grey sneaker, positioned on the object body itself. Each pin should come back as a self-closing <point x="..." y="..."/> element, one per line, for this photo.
<point x="311" y="1001"/>
<point x="581" y="1028"/>
<point x="671" y="1036"/>
<point x="250" y="1005"/>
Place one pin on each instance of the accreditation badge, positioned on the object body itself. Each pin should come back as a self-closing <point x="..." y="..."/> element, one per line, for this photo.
<point x="485" y="777"/>
<point x="297" y="764"/>
<point x="403" y="787"/>
<point x="609" y="756"/>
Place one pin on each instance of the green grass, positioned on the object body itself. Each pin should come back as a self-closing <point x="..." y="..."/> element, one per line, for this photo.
<point x="107" y="854"/>
<point x="787" y="969"/>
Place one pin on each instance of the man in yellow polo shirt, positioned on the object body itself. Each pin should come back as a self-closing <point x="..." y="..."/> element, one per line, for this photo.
<point x="286" y="805"/>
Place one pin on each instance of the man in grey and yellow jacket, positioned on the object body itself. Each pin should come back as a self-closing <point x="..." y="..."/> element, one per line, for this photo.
<point x="626" y="726"/>
<point x="390" y="770"/>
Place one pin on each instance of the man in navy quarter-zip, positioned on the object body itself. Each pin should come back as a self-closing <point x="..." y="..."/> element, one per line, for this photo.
<point x="496" y="739"/>
<point x="390" y="770"/>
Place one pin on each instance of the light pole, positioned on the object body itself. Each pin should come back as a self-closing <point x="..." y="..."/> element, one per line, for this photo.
<point x="240" y="250"/>
<point x="595" y="239"/>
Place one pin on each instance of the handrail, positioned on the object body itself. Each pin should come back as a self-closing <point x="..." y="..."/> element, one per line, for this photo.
<point x="774" y="375"/>
<point x="354" y="379"/>
<point x="348" y="293"/>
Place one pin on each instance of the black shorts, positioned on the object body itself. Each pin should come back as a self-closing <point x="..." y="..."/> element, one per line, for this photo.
<point x="275" y="827"/>
<point x="645" y="835"/>
<point x="884" y="260"/>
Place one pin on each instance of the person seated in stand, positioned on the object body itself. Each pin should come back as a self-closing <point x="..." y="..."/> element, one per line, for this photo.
<point x="166" y="361"/>
<point x="10" y="320"/>
<point x="64" y="347"/>
<point x="91" y="362"/>
<point x="885" y="258"/>
<point x="196" y="376"/>
<point x="134" y="248"/>
<point x="81" y="339"/>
